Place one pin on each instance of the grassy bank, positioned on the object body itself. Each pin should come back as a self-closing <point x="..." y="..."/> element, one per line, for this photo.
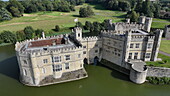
<point x="158" y="80"/>
<point x="4" y="44"/>
<point x="160" y="23"/>
<point x="164" y="63"/>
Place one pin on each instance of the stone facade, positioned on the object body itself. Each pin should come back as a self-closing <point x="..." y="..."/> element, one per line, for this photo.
<point x="53" y="58"/>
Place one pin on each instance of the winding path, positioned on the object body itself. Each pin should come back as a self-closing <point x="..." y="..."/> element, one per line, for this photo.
<point x="164" y="53"/>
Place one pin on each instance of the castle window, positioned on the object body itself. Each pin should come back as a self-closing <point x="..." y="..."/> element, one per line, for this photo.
<point x="43" y="70"/>
<point x="149" y="45"/>
<point x="45" y="60"/>
<point x="148" y="55"/>
<point x="79" y="35"/>
<point x="25" y="72"/>
<point x="79" y="55"/>
<point x="118" y="54"/>
<point x="84" y="46"/>
<point x="96" y="45"/>
<point x="25" y="62"/>
<point x="57" y="68"/>
<point x="67" y="57"/>
<point x="137" y="45"/>
<point x="84" y="52"/>
<point x="67" y="66"/>
<point x="57" y="59"/>
<point x="136" y="56"/>
<point x="131" y="45"/>
<point x="130" y="55"/>
<point x="96" y="51"/>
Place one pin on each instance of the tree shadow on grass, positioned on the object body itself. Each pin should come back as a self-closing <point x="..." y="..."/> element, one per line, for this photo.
<point x="120" y="16"/>
<point x="76" y="16"/>
<point x="9" y="67"/>
<point x="97" y="6"/>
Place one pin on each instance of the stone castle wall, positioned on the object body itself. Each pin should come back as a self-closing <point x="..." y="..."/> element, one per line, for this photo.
<point x="158" y="72"/>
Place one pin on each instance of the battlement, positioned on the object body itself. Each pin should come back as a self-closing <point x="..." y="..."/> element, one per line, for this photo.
<point x="92" y="38"/>
<point x="77" y="29"/>
<point x="127" y="26"/>
<point x="114" y="34"/>
<point x="20" y="46"/>
<point x="55" y="51"/>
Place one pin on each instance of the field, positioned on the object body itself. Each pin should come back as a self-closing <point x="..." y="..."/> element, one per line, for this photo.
<point x="47" y="20"/>
<point x="160" y="23"/>
<point x="165" y="46"/>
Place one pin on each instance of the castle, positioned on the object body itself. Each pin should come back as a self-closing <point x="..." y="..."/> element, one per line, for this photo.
<point x="56" y="59"/>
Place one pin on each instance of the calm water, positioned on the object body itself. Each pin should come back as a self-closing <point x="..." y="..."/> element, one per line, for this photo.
<point x="101" y="82"/>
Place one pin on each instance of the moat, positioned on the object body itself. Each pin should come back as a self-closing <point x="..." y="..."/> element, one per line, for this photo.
<point x="101" y="82"/>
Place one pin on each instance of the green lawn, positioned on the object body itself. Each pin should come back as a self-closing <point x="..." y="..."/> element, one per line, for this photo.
<point x="165" y="46"/>
<point x="160" y="23"/>
<point x="47" y="20"/>
<point x="164" y="63"/>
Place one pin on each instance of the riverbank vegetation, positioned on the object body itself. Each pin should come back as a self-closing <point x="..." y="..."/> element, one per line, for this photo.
<point x="158" y="80"/>
<point x="164" y="63"/>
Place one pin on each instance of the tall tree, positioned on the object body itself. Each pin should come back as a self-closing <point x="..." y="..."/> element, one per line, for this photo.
<point x="86" y="11"/>
<point x="20" y="35"/>
<point x="5" y="15"/>
<point x="29" y="32"/>
<point x="133" y="16"/>
<point x="15" y="6"/>
<point x="8" y="37"/>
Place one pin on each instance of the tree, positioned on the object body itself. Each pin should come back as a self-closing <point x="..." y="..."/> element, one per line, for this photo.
<point x="5" y="15"/>
<point x="97" y="28"/>
<point x="133" y="16"/>
<point x="32" y="8"/>
<point x="38" y="32"/>
<point x="15" y="8"/>
<point x="79" y="24"/>
<point x="29" y="32"/>
<point x="139" y="6"/>
<point x="86" y="11"/>
<point x="124" y="5"/>
<point x="2" y="4"/>
<point x="57" y="28"/>
<point x="20" y="35"/>
<point x="88" y="24"/>
<point x="8" y="37"/>
<point x="15" y="12"/>
<point x="146" y="8"/>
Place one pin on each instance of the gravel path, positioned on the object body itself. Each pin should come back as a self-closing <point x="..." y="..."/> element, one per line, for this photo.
<point x="164" y="53"/>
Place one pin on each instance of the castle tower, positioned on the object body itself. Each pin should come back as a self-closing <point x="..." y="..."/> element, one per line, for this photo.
<point x="148" y="23"/>
<point x="78" y="33"/>
<point x="167" y="31"/>
<point x="142" y="20"/>
<point x="127" y="44"/>
<point x="156" y="45"/>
